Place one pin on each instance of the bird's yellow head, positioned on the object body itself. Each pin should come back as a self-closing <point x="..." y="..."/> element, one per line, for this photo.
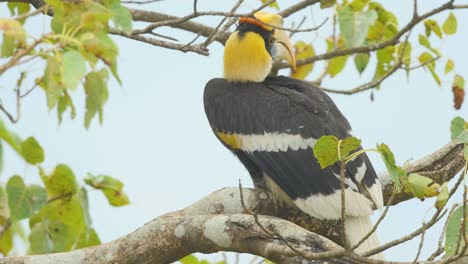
<point x="250" y="50"/>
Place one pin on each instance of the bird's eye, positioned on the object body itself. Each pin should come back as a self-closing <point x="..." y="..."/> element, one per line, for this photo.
<point x="271" y="41"/>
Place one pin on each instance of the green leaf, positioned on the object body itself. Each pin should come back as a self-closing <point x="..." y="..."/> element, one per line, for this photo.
<point x="443" y="196"/>
<point x="449" y="66"/>
<point x="65" y="102"/>
<point x="111" y="187"/>
<point x="24" y="201"/>
<point x="52" y="81"/>
<point x="4" y="209"/>
<point x="450" y="25"/>
<point x="74" y="68"/>
<point x="395" y="171"/>
<point x="123" y="19"/>
<point x="96" y="95"/>
<point x="39" y="240"/>
<point x="326" y="149"/>
<point x="336" y="64"/>
<point x="11" y="138"/>
<point x="355" y="25"/>
<point x="6" y="242"/>
<point x="457" y="127"/>
<point x="465" y="152"/>
<point x="427" y="59"/>
<point x="32" y="151"/>
<point x="361" y="60"/>
<point x="425" y="42"/>
<point x="88" y="239"/>
<point x="404" y="51"/>
<point x="64" y="223"/>
<point x="19" y="8"/>
<point x="103" y="47"/>
<point x="272" y="5"/>
<point x="459" y="82"/>
<point x="14" y="36"/>
<point x="452" y="232"/>
<point x="327" y="3"/>
<point x="431" y="25"/>
<point x="421" y="186"/>
<point x="303" y="50"/>
<point x="61" y="182"/>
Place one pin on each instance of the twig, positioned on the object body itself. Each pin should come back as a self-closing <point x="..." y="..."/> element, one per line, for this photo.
<point x="42" y="9"/>
<point x="163" y="36"/>
<point x="376" y="225"/>
<point x="297" y="7"/>
<point x="343" y="201"/>
<point x="368" y="48"/>
<point x="363" y="87"/>
<point x="421" y="65"/>
<point x="182" y="47"/>
<point x="421" y="243"/>
<point x="20" y="54"/>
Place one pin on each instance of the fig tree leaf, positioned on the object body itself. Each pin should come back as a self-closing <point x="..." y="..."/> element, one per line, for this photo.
<point x="64" y="223"/>
<point x="32" y="151"/>
<point x="457" y="127"/>
<point x="303" y="50"/>
<point x="443" y="196"/>
<point x="327" y="3"/>
<point x="96" y="95"/>
<point x="361" y="60"/>
<point x="355" y="25"/>
<point x="452" y="232"/>
<point x="74" y="68"/>
<point x="450" y="24"/>
<point x="395" y="171"/>
<point x="61" y="182"/>
<point x="111" y="187"/>
<point x="326" y="149"/>
<point x="421" y="186"/>
<point x="449" y="65"/>
<point x="24" y="200"/>
<point x="431" y="25"/>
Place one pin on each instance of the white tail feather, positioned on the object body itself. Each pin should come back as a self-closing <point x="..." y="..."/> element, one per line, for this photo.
<point x="356" y="228"/>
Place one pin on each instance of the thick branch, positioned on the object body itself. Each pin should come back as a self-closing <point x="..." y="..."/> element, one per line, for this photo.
<point x="173" y="236"/>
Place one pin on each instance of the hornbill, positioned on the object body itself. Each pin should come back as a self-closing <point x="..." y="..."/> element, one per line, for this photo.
<point x="271" y="124"/>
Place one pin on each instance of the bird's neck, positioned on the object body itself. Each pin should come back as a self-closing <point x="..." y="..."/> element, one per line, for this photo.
<point x="246" y="58"/>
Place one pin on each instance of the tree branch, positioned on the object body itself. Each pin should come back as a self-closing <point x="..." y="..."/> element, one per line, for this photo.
<point x="219" y="222"/>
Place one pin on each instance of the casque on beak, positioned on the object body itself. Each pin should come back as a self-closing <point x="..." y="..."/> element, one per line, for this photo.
<point x="283" y="48"/>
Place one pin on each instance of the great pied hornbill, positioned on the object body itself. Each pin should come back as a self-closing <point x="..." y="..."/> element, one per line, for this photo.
<point x="271" y="124"/>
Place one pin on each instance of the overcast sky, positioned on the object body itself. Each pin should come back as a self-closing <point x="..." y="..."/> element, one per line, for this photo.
<point x="156" y="139"/>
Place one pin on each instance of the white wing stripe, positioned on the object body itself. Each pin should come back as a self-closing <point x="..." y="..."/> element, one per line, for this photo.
<point x="274" y="142"/>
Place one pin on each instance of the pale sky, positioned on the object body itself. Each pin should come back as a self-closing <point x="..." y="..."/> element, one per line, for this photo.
<point x="156" y="138"/>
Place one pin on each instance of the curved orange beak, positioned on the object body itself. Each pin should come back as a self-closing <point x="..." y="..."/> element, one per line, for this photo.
<point x="283" y="48"/>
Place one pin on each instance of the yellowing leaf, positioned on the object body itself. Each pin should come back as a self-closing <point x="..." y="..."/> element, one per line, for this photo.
<point x="303" y="50"/>
<point x="111" y="187"/>
<point x="61" y="182"/>
<point x="443" y="196"/>
<point x="327" y="3"/>
<point x="450" y="24"/>
<point x="431" y="25"/>
<point x="421" y="186"/>
<point x="449" y="66"/>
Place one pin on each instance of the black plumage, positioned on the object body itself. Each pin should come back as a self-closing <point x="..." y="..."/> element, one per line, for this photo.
<point x="282" y="105"/>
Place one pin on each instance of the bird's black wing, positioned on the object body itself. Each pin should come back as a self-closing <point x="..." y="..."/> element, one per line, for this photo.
<point x="275" y="125"/>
